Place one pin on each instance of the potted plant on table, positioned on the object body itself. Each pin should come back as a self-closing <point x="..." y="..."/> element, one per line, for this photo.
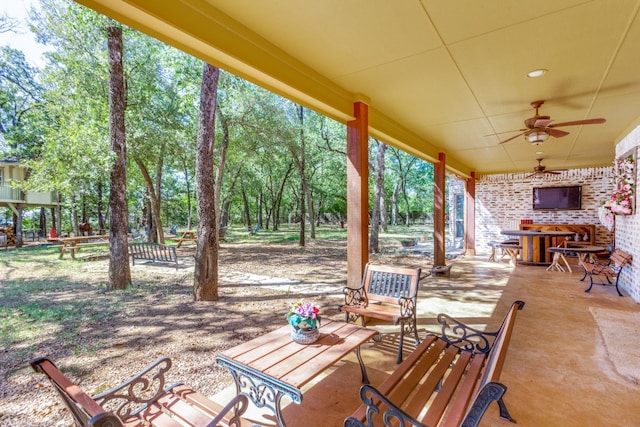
<point x="304" y="317"/>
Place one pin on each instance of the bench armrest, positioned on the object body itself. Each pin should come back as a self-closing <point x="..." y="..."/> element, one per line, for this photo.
<point x="139" y="391"/>
<point x="354" y="296"/>
<point x="238" y="404"/>
<point x="392" y="415"/>
<point x="490" y="392"/>
<point x="465" y="337"/>
<point x="407" y="307"/>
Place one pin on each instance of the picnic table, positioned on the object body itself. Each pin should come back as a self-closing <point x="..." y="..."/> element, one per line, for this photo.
<point x="277" y="366"/>
<point x="185" y="236"/>
<point x="73" y="244"/>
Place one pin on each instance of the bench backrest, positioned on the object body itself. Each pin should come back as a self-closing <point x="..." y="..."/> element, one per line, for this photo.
<point x="388" y="284"/>
<point x="154" y="251"/>
<point x="620" y="258"/>
<point x="498" y="352"/>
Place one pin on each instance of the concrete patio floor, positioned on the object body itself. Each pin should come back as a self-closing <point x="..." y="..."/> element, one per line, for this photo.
<point x="559" y="369"/>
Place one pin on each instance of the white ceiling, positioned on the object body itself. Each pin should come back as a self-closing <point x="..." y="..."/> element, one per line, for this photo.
<point x="438" y="76"/>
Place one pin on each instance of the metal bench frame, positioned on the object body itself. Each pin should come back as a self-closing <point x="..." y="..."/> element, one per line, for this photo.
<point x="448" y="380"/>
<point x="386" y="293"/>
<point x="611" y="269"/>
<point x="142" y="400"/>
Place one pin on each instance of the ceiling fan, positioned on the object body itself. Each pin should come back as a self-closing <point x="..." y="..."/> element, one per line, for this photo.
<point x="538" y="128"/>
<point x="541" y="170"/>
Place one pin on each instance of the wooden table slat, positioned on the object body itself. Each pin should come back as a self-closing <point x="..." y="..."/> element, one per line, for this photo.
<point x="304" y="371"/>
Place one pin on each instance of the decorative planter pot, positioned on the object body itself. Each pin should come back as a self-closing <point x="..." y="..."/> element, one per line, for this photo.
<point x="305" y="336"/>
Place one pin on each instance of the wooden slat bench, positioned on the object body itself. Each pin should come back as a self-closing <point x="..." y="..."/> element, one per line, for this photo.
<point x="449" y="380"/>
<point x="611" y="269"/>
<point x="154" y="252"/>
<point x="497" y="245"/>
<point x="143" y="400"/>
<point x="386" y="293"/>
<point x="509" y="247"/>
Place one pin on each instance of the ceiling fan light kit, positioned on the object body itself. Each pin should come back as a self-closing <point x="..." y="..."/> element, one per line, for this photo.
<point x="537" y="138"/>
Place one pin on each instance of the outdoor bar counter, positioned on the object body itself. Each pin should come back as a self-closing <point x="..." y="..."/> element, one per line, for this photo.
<point x="535" y="243"/>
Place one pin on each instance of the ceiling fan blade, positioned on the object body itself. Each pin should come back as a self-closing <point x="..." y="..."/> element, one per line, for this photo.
<point x="579" y="122"/>
<point x="529" y="176"/>
<point x="513" y="137"/>
<point x="540" y="123"/>
<point x="554" y="172"/>
<point x="556" y="133"/>
<point x="506" y="131"/>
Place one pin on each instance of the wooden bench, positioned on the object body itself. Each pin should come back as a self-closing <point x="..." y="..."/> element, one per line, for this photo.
<point x="497" y="245"/>
<point x="510" y="247"/>
<point x="143" y="400"/>
<point x="154" y="252"/>
<point x="449" y="380"/>
<point x="386" y="293"/>
<point x="606" y="271"/>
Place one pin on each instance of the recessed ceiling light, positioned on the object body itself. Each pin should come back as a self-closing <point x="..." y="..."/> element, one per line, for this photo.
<point x="536" y="73"/>
<point x="539" y="153"/>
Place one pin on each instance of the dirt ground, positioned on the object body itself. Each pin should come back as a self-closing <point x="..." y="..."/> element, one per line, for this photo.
<point x="123" y="331"/>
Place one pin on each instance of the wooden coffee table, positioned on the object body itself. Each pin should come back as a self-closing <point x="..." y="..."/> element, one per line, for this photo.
<point x="273" y="365"/>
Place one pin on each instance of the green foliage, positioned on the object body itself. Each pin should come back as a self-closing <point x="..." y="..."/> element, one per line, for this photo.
<point x="67" y="135"/>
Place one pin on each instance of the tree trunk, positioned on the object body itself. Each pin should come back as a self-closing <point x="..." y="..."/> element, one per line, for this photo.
<point x="84" y="209"/>
<point x="312" y="215"/>
<point x="378" y="191"/>
<point x="222" y="159"/>
<point x="119" y="272"/>
<point x="407" y="216"/>
<point x="54" y="225"/>
<point x="74" y="215"/>
<point x="188" y="187"/>
<point x="259" y="218"/>
<point x="17" y="223"/>
<point x="42" y="225"/>
<point x="278" y="199"/>
<point x="154" y="203"/>
<point x="383" y="213"/>
<point x="303" y="177"/>
<point x="205" y="280"/>
<point x="101" y="225"/>
<point x="59" y="215"/>
<point x="394" y="204"/>
<point x="247" y="213"/>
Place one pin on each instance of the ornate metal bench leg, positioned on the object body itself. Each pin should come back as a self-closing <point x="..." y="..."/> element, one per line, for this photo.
<point x="590" y="284"/>
<point x="504" y="412"/>
<point x="617" y="289"/>
<point x="363" y="369"/>
<point x="401" y="344"/>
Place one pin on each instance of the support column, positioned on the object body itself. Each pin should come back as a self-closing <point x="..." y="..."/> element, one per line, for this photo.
<point x="357" y="194"/>
<point x="470" y="216"/>
<point x="439" y="187"/>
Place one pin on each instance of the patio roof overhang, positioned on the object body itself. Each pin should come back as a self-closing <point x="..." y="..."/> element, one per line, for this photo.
<point x="436" y="76"/>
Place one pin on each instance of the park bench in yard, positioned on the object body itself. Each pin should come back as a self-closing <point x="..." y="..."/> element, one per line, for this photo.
<point x="386" y="293"/>
<point x="143" y="400"/>
<point x="611" y="269"/>
<point x="449" y="380"/>
<point x="154" y="252"/>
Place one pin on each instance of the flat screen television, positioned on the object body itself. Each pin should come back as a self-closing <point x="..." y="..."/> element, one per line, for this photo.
<point x="559" y="198"/>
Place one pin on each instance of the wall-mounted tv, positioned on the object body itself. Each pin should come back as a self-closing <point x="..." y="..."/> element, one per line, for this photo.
<point x="558" y="198"/>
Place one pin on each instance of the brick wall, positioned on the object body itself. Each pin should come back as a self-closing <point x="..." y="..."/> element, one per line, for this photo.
<point x="503" y="200"/>
<point x="628" y="227"/>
